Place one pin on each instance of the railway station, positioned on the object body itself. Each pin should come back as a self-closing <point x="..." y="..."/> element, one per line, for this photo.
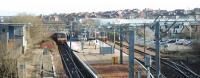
<point x="119" y="50"/>
<point x="128" y="43"/>
<point x="109" y="55"/>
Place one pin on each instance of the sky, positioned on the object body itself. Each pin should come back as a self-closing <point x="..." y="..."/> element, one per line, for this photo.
<point x="36" y="7"/>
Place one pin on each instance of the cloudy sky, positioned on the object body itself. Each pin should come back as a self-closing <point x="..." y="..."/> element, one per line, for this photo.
<point x="13" y="7"/>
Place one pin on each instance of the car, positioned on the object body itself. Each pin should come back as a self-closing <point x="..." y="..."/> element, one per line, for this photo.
<point x="183" y="42"/>
<point x="162" y="42"/>
<point x="180" y="42"/>
<point x="187" y="43"/>
<point x="171" y="41"/>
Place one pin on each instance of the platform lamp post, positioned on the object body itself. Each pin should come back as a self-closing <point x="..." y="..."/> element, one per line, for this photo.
<point x="157" y="36"/>
<point x="95" y="37"/>
<point x="114" y="40"/>
<point x="82" y="43"/>
<point x="144" y="37"/>
<point x="70" y="36"/>
<point x="121" y="50"/>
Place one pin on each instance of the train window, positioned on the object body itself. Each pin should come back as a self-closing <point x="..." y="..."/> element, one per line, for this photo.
<point x="60" y="35"/>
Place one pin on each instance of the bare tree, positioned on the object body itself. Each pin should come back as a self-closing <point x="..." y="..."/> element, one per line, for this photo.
<point x="90" y="24"/>
<point x="8" y="65"/>
<point x="196" y="42"/>
<point x="8" y="61"/>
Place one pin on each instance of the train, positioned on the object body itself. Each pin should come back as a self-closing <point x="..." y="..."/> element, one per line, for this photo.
<point x="60" y="37"/>
<point x="63" y="37"/>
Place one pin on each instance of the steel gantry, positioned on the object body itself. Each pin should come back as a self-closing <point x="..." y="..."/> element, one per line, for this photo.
<point x="164" y="19"/>
<point x="131" y="53"/>
<point x="130" y="29"/>
<point x="157" y="36"/>
<point x="156" y="26"/>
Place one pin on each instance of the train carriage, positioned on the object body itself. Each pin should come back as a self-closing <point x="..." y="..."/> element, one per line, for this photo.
<point x="60" y="37"/>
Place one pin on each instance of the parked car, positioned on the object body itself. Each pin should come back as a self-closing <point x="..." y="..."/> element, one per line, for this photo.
<point x="183" y="42"/>
<point x="180" y="41"/>
<point x="171" y="41"/>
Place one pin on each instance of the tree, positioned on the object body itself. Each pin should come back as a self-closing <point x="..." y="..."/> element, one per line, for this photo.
<point x="8" y="64"/>
<point x="149" y="34"/>
<point x="90" y="24"/>
<point x="186" y="32"/>
<point x="196" y="42"/>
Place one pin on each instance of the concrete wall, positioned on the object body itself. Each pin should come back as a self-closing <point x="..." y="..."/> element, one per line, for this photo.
<point x="24" y="39"/>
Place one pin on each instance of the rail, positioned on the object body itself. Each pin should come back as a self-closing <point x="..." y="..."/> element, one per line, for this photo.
<point x="87" y="67"/>
<point x="137" y="61"/>
<point x="142" y="53"/>
<point x="182" y="69"/>
<point x="185" y="71"/>
<point x="70" y="67"/>
<point x="73" y="66"/>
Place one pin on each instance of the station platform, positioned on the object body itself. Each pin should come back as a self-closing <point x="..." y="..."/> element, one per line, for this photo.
<point x="101" y="64"/>
<point x="92" y="55"/>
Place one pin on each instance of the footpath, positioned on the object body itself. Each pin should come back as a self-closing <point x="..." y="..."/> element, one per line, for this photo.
<point x="40" y="63"/>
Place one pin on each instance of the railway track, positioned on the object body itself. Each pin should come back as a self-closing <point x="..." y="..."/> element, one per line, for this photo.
<point x="72" y="65"/>
<point x="68" y="62"/>
<point x="181" y="68"/>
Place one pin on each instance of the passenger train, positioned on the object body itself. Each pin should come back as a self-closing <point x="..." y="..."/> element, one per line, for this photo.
<point x="60" y="37"/>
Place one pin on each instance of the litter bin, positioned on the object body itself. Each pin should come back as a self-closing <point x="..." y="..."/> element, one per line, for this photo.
<point x="115" y="60"/>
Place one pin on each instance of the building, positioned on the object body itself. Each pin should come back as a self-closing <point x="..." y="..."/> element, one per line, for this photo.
<point x="197" y="11"/>
<point x="54" y="18"/>
<point x="13" y="39"/>
<point x="1" y="19"/>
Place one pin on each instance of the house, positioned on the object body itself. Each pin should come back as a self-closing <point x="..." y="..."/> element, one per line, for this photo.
<point x="54" y="18"/>
<point x="13" y="38"/>
<point x="197" y="11"/>
<point x="1" y="19"/>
